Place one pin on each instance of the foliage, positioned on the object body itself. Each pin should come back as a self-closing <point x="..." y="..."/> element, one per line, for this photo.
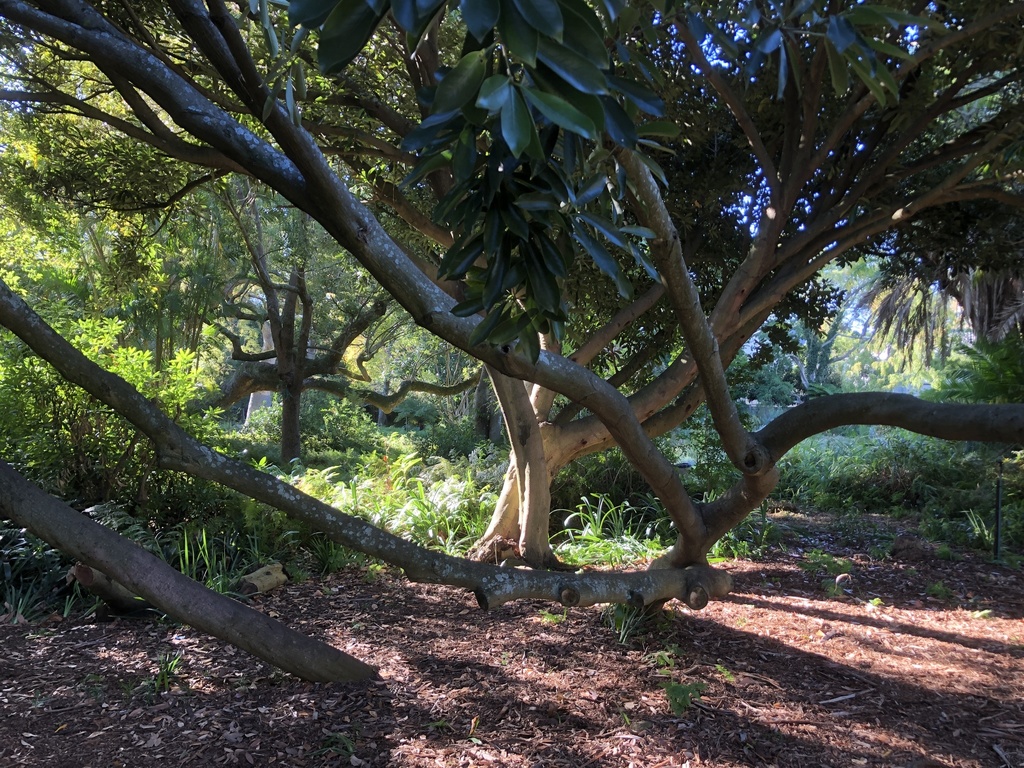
<point x="749" y="540"/>
<point x="986" y="372"/>
<point x="33" y="576"/>
<point x="603" y="531"/>
<point x="949" y="488"/>
<point x="682" y="695"/>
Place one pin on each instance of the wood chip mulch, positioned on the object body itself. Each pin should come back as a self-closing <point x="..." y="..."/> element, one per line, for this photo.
<point x="882" y="674"/>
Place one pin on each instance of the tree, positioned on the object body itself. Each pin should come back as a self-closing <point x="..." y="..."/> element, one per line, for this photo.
<point x="531" y="134"/>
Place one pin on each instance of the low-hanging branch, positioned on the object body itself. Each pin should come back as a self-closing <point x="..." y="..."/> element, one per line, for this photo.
<point x="492" y="585"/>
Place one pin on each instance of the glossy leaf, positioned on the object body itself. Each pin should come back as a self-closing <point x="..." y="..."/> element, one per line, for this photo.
<point x="521" y="38"/>
<point x="603" y="259"/>
<point x="561" y="112"/>
<point x="461" y="84"/>
<point x="842" y="33"/>
<point x="345" y="33"/>
<point x="580" y="37"/>
<point x="572" y="67"/>
<point x="618" y="125"/>
<point x="664" y="129"/>
<point x="486" y="326"/>
<point x="494" y="93"/>
<point x="481" y="16"/>
<point x="516" y="124"/>
<point x="310" y="13"/>
<point x="639" y="95"/>
<point x="543" y="15"/>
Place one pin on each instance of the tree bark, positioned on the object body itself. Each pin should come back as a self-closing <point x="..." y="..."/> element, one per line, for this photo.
<point x="173" y="593"/>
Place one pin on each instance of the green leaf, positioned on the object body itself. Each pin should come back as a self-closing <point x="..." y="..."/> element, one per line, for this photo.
<point x="618" y="124"/>
<point x="460" y="257"/>
<point x="536" y="201"/>
<point x="604" y="260"/>
<point x="481" y="16"/>
<point x="509" y="329"/>
<point x="461" y="84"/>
<point x="516" y="124"/>
<point x="468" y="308"/>
<point x="529" y="344"/>
<point x="606" y="228"/>
<point x="543" y="286"/>
<point x="837" y="69"/>
<point x="665" y="129"/>
<point x="580" y="37"/>
<point x="521" y="38"/>
<point x="494" y="93"/>
<point x="641" y="96"/>
<point x="484" y="328"/>
<point x="310" y="13"/>
<point x="345" y="34"/>
<point x="543" y="15"/>
<point x="613" y="8"/>
<point x="572" y="67"/>
<point x="841" y="33"/>
<point x="593" y="189"/>
<point x="560" y="112"/>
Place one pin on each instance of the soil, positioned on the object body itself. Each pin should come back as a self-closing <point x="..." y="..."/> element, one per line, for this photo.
<point x="907" y="662"/>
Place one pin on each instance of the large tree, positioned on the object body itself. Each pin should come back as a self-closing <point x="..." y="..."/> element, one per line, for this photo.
<point x="808" y="131"/>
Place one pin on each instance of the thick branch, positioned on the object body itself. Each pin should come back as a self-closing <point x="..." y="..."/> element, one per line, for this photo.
<point x="949" y="421"/>
<point x="177" y="595"/>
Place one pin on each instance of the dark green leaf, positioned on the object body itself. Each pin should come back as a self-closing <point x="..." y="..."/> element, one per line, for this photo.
<point x="428" y="130"/>
<point x="521" y="38"/>
<point x="427" y="165"/>
<point x="468" y="308"/>
<point x="464" y="155"/>
<point x="837" y="69"/>
<point x="516" y="222"/>
<point x="592" y="189"/>
<point x="492" y="232"/>
<point x="580" y="10"/>
<point x="643" y="261"/>
<point x="516" y="124"/>
<point x="633" y="229"/>
<point x="581" y="37"/>
<point x="665" y="129"/>
<point x="768" y="42"/>
<point x="537" y="201"/>
<point x="509" y="329"/>
<point x="460" y="257"/>
<point x="606" y="228"/>
<point x="494" y="93"/>
<point x="572" y="67"/>
<point x="556" y="260"/>
<point x="481" y="16"/>
<point x="618" y="124"/>
<point x="488" y="324"/>
<point x="841" y="33"/>
<point x="310" y="13"/>
<point x="345" y="34"/>
<point x="641" y="96"/>
<point x="559" y="111"/>
<point x="529" y="345"/>
<point x="462" y="83"/>
<point x="543" y="15"/>
<point x="604" y="260"/>
<point x="495" y="276"/>
<point x="543" y="286"/>
<point x="613" y="8"/>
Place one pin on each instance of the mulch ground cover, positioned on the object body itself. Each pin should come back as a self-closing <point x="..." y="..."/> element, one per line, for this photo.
<point x="903" y="663"/>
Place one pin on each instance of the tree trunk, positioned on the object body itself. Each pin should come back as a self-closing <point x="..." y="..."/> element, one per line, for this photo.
<point x="260" y="400"/>
<point x="291" y="434"/>
<point x="181" y="598"/>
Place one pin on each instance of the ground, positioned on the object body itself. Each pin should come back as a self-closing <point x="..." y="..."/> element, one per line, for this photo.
<point x="906" y="662"/>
